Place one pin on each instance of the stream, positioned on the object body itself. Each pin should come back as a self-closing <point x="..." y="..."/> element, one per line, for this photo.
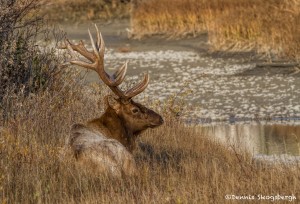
<point x="215" y="87"/>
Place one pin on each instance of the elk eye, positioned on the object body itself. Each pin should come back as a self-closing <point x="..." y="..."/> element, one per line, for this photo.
<point x="135" y="110"/>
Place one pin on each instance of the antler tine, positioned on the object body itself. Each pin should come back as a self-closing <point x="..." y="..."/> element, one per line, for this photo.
<point x="93" y="44"/>
<point x="71" y="48"/>
<point x="96" y="57"/>
<point x="119" y="75"/>
<point x="80" y="48"/>
<point x="99" y="49"/>
<point x="100" y="41"/>
<point x="138" y="88"/>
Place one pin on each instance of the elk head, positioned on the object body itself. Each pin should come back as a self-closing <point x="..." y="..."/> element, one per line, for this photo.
<point x="122" y="112"/>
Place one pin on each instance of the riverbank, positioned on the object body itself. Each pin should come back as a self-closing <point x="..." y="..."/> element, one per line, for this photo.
<point x="230" y="24"/>
<point x="210" y="86"/>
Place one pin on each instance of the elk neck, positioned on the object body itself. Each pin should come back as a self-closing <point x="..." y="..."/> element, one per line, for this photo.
<point x="111" y="125"/>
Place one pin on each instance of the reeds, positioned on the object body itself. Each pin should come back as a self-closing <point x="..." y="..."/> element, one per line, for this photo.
<point x="167" y="17"/>
<point x="270" y="26"/>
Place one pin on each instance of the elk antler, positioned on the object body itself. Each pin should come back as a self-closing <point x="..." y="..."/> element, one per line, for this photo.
<point x="96" y="57"/>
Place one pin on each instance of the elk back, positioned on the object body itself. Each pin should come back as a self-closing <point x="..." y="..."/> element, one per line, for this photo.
<point x="95" y="151"/>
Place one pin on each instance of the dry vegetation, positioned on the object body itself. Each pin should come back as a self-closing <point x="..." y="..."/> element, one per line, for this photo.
<point x="271" y="26"/>
<point x="82" y="10"/>
<point x="176" y="163"/>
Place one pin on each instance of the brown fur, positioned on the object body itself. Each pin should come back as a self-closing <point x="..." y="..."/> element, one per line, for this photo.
<point x="104" y="144"/>
<point x="120" y="122"/>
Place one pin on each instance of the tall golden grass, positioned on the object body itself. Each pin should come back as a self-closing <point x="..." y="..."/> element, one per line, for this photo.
<point x="271" y="26"/>
<point x="176" y="163"/>
<point x="175" y="17"/>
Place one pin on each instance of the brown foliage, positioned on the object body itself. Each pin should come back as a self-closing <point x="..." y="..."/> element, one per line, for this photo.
<point x="270" y="26"/>
<point x="24" y="66"/>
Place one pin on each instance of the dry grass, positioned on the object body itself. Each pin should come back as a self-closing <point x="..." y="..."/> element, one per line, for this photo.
<point x="271" y="26"/>
<point x="174" y="17"/>
<point x="83" y="10"/>
<point x="176" y="163"/>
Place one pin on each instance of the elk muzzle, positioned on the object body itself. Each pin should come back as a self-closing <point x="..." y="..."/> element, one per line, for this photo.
<point x="155" y="119"/>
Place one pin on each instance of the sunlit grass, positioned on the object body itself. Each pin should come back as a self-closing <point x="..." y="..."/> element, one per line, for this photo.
<point x="268" y="26"/>
<point x="176" y="163"/>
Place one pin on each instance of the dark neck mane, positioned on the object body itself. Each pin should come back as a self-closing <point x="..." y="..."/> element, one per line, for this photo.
<point x="114" y="127"/>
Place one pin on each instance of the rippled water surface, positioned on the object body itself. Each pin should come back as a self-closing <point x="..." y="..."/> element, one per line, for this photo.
<point x="222" y="87"/>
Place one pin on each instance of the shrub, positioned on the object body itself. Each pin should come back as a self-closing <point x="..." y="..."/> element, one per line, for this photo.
<point x="25" y="66"/>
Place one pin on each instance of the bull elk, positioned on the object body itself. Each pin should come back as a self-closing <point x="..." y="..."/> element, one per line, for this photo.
<point x="113" y="135"/>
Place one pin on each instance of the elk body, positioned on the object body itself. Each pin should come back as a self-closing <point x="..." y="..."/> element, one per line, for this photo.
<point x="107" y="142"/>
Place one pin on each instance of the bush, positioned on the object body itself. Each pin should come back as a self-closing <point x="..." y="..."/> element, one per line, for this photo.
<point x="25" y="66"/>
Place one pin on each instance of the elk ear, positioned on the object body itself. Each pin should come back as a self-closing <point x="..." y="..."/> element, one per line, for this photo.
<point x="113" y="103"/>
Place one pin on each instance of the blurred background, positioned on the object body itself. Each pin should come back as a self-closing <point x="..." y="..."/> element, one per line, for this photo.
<point x="268" y="26"/>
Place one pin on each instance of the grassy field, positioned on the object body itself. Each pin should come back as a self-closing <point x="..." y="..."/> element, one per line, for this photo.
<point x="41" y="100"/>
<point x="176" y="163"/>
<point x="271" y="26"/>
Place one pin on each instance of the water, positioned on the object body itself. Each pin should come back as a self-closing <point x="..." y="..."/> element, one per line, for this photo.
<point x="218" y="88"/>
<point x="260" y="139"/>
